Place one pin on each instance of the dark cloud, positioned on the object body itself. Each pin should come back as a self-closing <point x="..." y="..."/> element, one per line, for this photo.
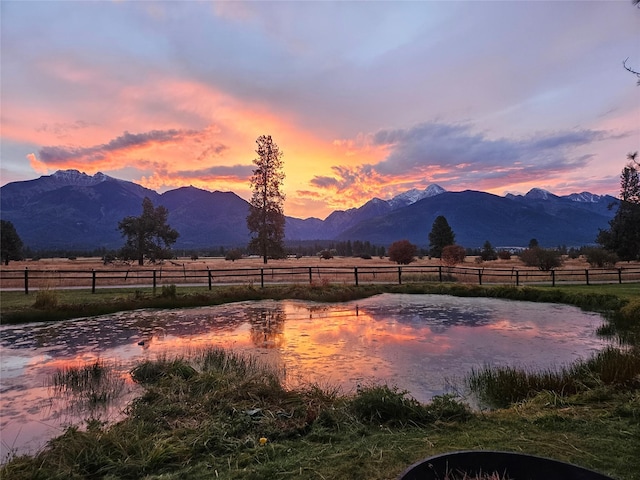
<point x="324" y="182"/>
<point x="213" y="151"/>
<point x="346" y="177"/>
<point x="450" y="151"/>
<point x="237" y="171"/>
<point x="126" y="141"/>
<point x="431" y="144"/>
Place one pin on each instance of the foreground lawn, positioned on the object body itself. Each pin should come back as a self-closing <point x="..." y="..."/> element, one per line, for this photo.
<point x="222" y="416"/>
<point x="217" y="415"/>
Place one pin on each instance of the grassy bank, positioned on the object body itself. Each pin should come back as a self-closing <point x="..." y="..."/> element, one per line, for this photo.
<point x="217" y="415"/>
<point x="47" y="305"/>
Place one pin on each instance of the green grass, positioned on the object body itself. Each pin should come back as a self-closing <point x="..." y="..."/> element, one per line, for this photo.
<point x="626" y="291"/>
<point x="203" y="417"/>
<point x="502" y="386"/>
<point x="16" y="307"/>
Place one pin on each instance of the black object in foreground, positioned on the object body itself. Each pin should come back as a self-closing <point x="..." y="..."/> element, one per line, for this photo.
<point x="507" y="465"/>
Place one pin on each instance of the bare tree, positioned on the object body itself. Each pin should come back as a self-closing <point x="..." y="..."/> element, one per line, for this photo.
<point x="637" y="74"/>
<point x="624" y="64"/>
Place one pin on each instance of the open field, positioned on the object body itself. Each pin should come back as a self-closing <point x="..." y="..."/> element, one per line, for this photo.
<point x="91" y="272"/>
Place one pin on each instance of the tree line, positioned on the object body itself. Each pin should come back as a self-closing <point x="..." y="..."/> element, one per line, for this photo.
<point x="149" y="237"/>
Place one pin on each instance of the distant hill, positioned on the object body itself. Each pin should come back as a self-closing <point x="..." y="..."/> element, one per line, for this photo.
<point x="476" y="217"/>
<point x="72" y="210"/>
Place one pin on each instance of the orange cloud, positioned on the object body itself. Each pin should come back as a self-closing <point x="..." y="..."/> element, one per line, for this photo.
<point x="37" y="165"/>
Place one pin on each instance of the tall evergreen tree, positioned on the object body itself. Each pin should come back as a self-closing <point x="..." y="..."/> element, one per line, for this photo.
<point x="440" y="236"/>
<point x="148" y="235"/>
<point x="10" y="242"/>
<point x="488" y="252"/>
<point x="266" y="218"/>
<point x="623" y="235"/>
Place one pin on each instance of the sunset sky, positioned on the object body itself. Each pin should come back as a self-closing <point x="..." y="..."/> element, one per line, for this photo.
<point x="364" y="98"/>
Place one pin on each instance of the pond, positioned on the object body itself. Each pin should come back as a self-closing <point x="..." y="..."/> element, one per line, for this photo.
<point x="422" y="343"/>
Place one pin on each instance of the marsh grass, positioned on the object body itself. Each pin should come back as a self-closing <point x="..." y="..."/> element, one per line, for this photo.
<point x="203" y="417"/>
<point x="218" y="414"/>
<point x="169" y="291"/>
<point x="501" y="386"/>
<point x="382" y="404"/>
<point x="46" y="299"/>
<point x="93" y="384"/>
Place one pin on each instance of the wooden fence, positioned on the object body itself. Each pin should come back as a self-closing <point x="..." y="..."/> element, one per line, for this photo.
<point x="25" y="279"/>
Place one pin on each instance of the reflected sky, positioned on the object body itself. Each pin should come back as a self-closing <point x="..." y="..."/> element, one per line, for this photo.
<point x="422" y="343"/>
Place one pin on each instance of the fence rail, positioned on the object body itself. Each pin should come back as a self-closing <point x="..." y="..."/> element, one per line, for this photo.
<point x="26" y="279"/>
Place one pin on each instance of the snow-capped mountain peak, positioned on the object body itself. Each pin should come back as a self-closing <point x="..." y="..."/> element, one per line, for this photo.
<point x="414" y="195"/>
<point x="75" y="177"/>
<point x="539" y="194"/>
<point x="585" y="197"/>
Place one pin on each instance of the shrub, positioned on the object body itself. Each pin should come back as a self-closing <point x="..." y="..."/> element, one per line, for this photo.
<point x="599" y="257"/>
<point x="631" y="310"/>
<point x="504" y="255"/>
<point x="168" y="291"/>
<point x="541" y="258"/>
<point x="403" y="252"/>
<point x="447" y="408"/>
<point x="380" y="404"/>
<point x="46" y="299"/>
<point x="453" y="254"/>
<point x="233" y="255"/>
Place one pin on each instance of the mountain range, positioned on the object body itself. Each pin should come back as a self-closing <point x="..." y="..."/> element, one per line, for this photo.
<point x="75" y="211"/>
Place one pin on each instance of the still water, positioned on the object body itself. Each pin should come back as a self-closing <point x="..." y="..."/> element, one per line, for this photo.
<point x="422" y="343"/>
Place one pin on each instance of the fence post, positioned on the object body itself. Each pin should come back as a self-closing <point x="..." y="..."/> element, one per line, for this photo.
<point x="517" y="278"/>
<point x="619" y="274"/>
<point x="310" y="276"/>
<point x="479" y="277"/>
<point x="154" y="281"/>
<point x="440" y="273"/>
<point x="262" y="278"/>
<point x="586" y="275"/>
<point x="93" y="280"/>
<point x="26" y="280"/>
<point x="553" y="278"/>
<point x="209" y="275"/>
<point x="355" y="273"/>
<point x="399" y="275"/>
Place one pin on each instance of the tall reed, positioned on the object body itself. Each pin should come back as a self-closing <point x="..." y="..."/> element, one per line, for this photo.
<point x="502" y="386"/>
<point x="94" y="383"/>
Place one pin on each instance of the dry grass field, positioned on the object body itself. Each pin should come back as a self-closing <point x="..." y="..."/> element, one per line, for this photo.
<point x="86" y="272"/>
